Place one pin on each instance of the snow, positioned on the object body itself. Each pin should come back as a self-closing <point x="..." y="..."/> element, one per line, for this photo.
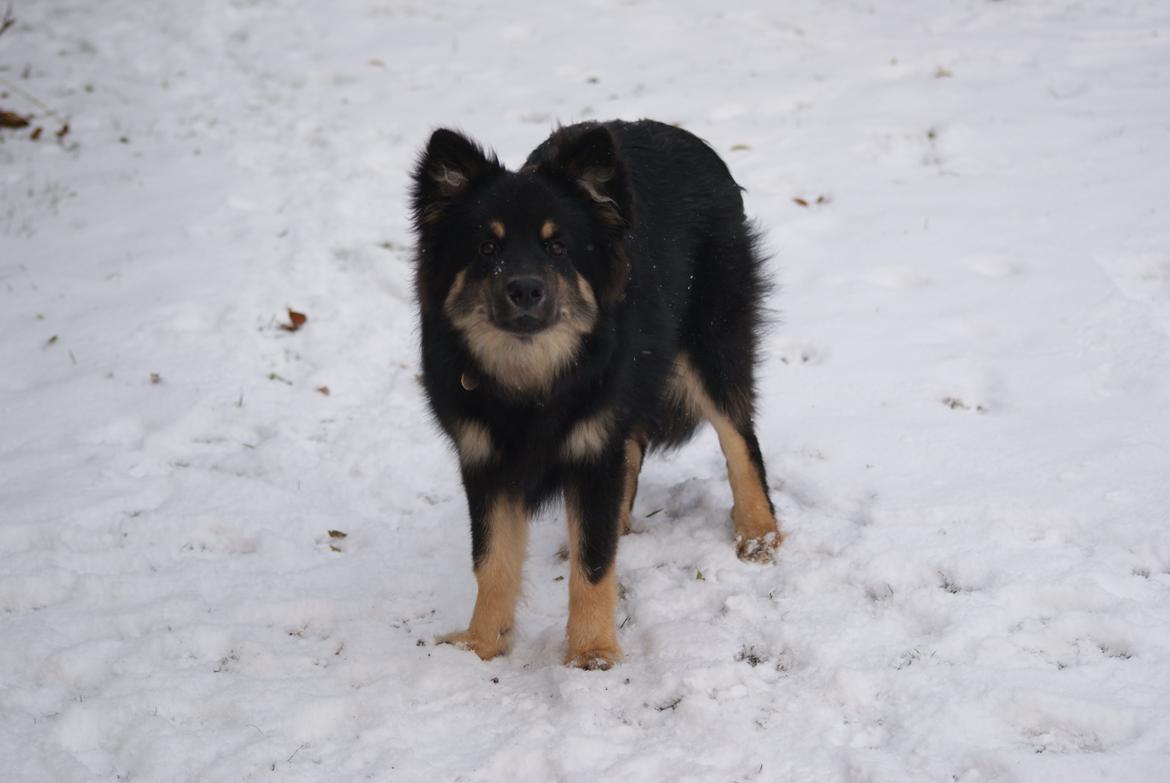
<point x="963" y="404"/>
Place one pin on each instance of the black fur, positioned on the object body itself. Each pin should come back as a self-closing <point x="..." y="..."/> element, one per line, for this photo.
<point x="653" y="221"/>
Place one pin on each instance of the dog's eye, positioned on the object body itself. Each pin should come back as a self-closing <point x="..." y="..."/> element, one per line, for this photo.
<point x="556" y="248"/>
<point x="487" y="249"/>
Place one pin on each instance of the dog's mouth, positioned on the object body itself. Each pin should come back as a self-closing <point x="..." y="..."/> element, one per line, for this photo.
<point x="526" y="325"/>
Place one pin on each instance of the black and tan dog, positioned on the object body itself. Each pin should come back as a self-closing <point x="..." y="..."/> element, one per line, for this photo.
<point x="597" y="303"/>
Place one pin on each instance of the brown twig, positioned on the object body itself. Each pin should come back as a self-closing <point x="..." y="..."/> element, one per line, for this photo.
<point x="7" y="20"/>
<point x="32" y="98"/>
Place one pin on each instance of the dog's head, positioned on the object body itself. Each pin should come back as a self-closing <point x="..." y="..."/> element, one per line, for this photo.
<point x="522" y="264"/>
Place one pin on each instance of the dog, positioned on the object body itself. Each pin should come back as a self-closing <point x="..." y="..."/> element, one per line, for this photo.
<point x="597" y="303"/>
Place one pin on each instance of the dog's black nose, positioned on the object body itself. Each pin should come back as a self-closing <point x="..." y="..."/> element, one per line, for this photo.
<point x="526" y="293"/>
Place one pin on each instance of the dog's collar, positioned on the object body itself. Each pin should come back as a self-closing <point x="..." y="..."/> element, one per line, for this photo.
<point x="468" y="381"/>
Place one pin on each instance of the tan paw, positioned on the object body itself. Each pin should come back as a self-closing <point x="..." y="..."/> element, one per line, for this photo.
<point x="466" y="640"/>
<point x="599" y="659"/>
<point x="760" y="549"/>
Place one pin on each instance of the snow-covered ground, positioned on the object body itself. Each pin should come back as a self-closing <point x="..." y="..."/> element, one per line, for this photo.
<point x="965" y="401"/>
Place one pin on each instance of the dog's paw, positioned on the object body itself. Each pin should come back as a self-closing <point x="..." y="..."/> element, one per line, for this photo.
<point x="466" y="640"/>
<point x="600" y="659"/>
<point x="761" y="549"/>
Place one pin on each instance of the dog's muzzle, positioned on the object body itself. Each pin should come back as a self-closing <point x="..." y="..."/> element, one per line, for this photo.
<point x="524" y="304"/>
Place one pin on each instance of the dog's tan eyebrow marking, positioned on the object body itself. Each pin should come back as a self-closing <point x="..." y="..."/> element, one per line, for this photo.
<point x="456" y="289"/>
<point x="497" y="228"/>
<point x="548" y="230"/>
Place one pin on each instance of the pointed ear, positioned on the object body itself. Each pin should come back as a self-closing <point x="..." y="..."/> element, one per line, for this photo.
<point x="591" y="160"/>
<point x="446" y="168"/>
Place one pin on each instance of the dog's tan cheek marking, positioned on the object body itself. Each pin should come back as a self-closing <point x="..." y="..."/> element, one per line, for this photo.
<point x="474" y="442"/>
<point x="498" y="579"/>
<point x="591" y="634"/>
<point x="579" y="307"/>
<point x="587" y="438"/>
<point x="750" y="511"/>
<point x="467" y="303"/>
<point x="497" y="228"/>
<point x="548" y="230"/>
<point x="455" y="291"/>
<point x="586" y="292"/>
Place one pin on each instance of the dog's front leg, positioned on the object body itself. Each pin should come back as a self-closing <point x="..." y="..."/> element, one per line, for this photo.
<point x="499" y="535"/>
<point x="593" y="500"/>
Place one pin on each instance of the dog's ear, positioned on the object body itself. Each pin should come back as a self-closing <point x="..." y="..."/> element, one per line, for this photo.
<point x="591" y="160"/>
<point x="449" y="165"/>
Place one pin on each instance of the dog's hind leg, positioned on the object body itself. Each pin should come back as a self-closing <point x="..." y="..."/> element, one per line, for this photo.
<point x="756" y="531"/>
<point x="595" y="500"/>
<point x="729" y="411"/>
<point x="717" y="368"/>
<point x="635" y="452"/>
<point x="499" y="535"/>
